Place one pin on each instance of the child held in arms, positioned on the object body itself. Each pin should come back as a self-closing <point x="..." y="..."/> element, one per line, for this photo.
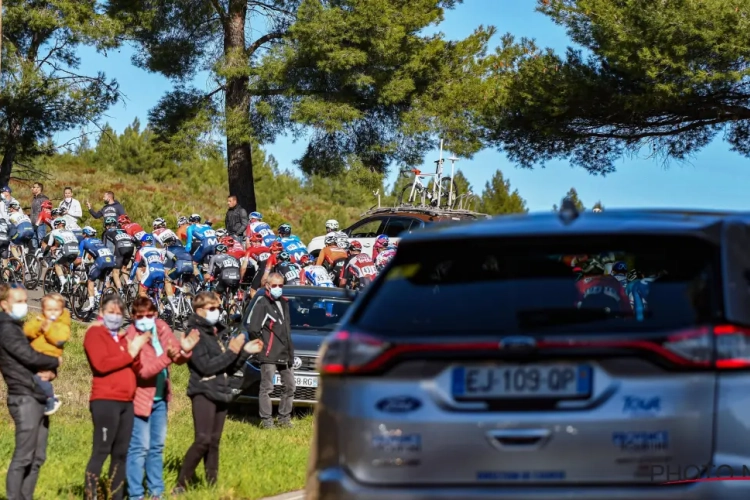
<point x="48" y="334"/>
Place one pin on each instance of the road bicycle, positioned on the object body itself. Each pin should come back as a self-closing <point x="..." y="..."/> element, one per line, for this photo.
<point x="23" y="269"/>
<point x="422" y="193"/>
<point x="80" y="295"/>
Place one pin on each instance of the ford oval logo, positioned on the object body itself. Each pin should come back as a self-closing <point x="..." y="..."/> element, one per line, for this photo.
<point x="399" y="404"/>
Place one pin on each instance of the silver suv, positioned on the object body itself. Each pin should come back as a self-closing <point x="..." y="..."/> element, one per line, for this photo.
<point x="595" y="356"/>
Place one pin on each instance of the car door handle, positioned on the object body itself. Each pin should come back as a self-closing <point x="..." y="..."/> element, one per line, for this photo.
<point x="367" y="244"/>
<point x="518" y="439"/>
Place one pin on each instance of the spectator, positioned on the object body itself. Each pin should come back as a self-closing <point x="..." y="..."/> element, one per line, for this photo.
<point x="71" y="206"/>
<point x="152" y="395"/>
<point x="7" y="196"/>
<point x="236" y="219"/>
<point x="111" y="359"/>
<point x="40" y="230"/>
<point x="18" y="364"/>
<point x="269" y="321"/>
<point x="210" y="366"/>
<point x="111" y="208"/>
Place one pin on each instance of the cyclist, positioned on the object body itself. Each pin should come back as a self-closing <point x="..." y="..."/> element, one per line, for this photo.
<point x="620" y="272"/>
<point x="103" y="263"/>
<point x="385" y="257"/>
<point x="381" y="243"/>
<point x="4" y="240"/>
<point x="269" y="264"/>
<point x="201" y="242"/>
<point x="71" y="223"/>
<point x="291" y="271"/>
<point x="182" y="225"/>
<point x="45" y="215"/>
<point x="234" y="247"/>
<point x="152" y="260"/>
<point x="122" y="246"/>
<point x="257" y="254"/>
<point x="225" y="270"/>
<point x="332" y="226"/>
<point x="597" y="290"/>
<point x="178" y="265"/>
<point x="132" y="228"/>
<point x="314" y="274"/>
<point x="161" y="232"/>
<point x="257" y="226"/>
<point x="292" y="244"/>
<point x="21" y="230"/>
<point x="66" y="244"/>
<point x="360" y="270"/>
<point x="332" y="257"/>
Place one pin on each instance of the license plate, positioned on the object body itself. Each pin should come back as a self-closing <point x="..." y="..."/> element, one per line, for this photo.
<point x="522" y="381"/>
<point x="299" y="381"/>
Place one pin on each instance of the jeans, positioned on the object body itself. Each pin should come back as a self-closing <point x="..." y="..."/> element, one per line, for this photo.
<point x="208" y="420"/>
<point x="32" y="429"/>
<point x="146" y="452"/>
<point x="39" y="233"/>
<point x="113" y="426"/>
<point x="267" y="371"/>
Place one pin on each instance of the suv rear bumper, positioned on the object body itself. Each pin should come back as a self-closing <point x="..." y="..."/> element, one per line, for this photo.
<point x="336" y="484"/>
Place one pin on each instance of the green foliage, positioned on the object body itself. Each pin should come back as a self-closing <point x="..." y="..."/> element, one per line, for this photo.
<point x="41" y="92"/>
<point x="497" y="197"/>
<point x="665" y="75"/>
<point x="598" y="205"/>
<point x="573" y="195"/>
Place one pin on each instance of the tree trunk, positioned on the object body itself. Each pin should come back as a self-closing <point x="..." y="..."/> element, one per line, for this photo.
<point x="237" y="105"/>
<point x="6" y="167"/>
<point x="1" y="37"/>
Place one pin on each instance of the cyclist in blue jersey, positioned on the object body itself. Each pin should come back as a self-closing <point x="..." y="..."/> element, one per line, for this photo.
<point x="292" y="244"/>
<point x="103" y="262"/>
<point x="257" y="226"/>
<point x="315" y="275"/>
<point x="151" y="259"/>
<point x="201" y="242"/>
<point x="21" y="230"/>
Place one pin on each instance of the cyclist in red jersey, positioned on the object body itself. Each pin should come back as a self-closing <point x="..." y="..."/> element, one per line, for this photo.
<point x="271" y="262"/>
<point x="45" y="216"/>
<point x="600" y="291"/>
<point x="234" y="247"/>
<point x="132" y="228"/>
<point x="259" y="254"/>
<point x="381" y="243"/>
<point x="360" y="271"/>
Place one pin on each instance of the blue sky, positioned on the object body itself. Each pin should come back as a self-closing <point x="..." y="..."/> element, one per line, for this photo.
<point x="715" y="178"/>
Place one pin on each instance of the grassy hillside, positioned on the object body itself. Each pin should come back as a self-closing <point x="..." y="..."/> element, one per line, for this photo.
<point x="254" y="463"/>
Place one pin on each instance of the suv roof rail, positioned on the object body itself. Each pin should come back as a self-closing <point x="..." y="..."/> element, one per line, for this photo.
<point x="434" y="212"/>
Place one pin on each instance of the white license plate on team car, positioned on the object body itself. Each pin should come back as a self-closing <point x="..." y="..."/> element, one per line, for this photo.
<point x="299" y="381"/>
<point x="567" y="381"/>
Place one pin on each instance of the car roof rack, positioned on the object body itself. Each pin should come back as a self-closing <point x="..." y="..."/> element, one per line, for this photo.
<point x="431" y="211"/>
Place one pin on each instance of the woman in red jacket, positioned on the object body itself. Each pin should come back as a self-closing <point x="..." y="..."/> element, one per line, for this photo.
<point x="152" y="395"/>
<point x="111" y="358"/>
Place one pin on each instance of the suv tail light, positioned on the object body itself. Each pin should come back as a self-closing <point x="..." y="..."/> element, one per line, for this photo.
<point x="723" y="347"/>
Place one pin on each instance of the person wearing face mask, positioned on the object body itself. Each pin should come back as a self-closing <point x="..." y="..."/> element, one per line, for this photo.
<point x="18" y="364"/>
<point x="6" y="193"/>
<point x="210" y="365"/>
<point x="48" y="334"/>
<point x="269" y="321"/>
<point x="111" y="208"/>
<point x="70" y="206"/>
<point x="152" y="395"/>
<point x="111" y="357"/>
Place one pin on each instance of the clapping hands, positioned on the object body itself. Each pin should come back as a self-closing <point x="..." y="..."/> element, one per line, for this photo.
<point x="187" y="343"/>
<point x="135" y="345"/>
<point x="254" y="346"/>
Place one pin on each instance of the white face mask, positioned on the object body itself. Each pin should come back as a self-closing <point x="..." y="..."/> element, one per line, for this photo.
<point x="19" y="311"/>
<point x="212" y="317"/>
<point x="68" y="198"/>
<point x="52" y="317"/>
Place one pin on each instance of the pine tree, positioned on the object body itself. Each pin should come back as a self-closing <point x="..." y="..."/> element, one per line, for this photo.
<point x="497" y="197"/>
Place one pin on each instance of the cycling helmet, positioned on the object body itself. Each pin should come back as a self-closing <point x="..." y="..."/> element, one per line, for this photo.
<point x="159" y="222"/>
<point x="182" y="221"/>
<point x="59" y="221"/>
<point x="148" y="239"/>
<point x="221" y="248"/>
<point x="355" y="245"/>
<point x="46" y="204"/>
<point x="276" y="246"/>
<point x="381" y="241"/>
<point x="110" y="221"/>
<point x="195" y="218"/>
<point x="342" y="243"/>
<point x="227" y="240"/>
<point x="330" y="239"/>
<point x="89" y="231"/>
<point x="256" y="238"/>
<point x="620" y="268"/>
<point x="285" y="229"/>
<point x="14" y="205"/>
<point x="256" y="215"/>
<point x="123" y="219"/>
<point x="283" y="257"/>
<point x="220" y="233"/>
<point x="55" y="211"/>
<point x="332" y="225"/>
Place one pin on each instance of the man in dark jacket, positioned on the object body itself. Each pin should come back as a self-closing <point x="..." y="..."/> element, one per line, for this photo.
<point x="111" y="208"/>
<point x="18" y="364"/>
<point x="270" y="321"/>
<point x="235" y="221"/>
<point x="36" y="208"/>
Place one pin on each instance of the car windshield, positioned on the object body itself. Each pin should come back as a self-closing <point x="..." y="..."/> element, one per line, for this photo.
<point x="536" y="285"/>
<point x="314" y="313"/>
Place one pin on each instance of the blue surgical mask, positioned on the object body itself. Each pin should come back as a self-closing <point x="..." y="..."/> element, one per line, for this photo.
<point x="276" y="293"/>
<point x="112" y="322"/>
<point x="145" y="324"/>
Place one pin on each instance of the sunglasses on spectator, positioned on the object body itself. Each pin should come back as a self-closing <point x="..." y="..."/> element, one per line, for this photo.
<point x="212" y="308"/>
<point x="272" y="285"/>
<point x="149" y="316"/>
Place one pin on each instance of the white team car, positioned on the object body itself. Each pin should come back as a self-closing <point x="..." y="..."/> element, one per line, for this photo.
<point x="393" y="222"/>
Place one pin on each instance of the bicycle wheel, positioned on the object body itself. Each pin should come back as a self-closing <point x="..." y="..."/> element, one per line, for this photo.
<point x="445" y="186"/>
<point x="16" y="271"/>
<point x="9" y="276"/>
<point x="51" y="282"/>
<point x="407" y="198"/>
<point x="31" y="272"/>
<point x="79" y="299"/>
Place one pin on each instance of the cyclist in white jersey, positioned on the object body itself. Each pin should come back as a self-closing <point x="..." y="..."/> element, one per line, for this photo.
<point x="315" y="275"/>
<point x="65" y="243"/>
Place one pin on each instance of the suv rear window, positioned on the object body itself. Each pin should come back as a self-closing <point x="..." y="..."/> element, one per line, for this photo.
<point x="542" y="285"/>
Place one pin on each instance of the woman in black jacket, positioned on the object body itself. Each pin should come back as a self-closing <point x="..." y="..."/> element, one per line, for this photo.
<point x="210" y="366"/>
